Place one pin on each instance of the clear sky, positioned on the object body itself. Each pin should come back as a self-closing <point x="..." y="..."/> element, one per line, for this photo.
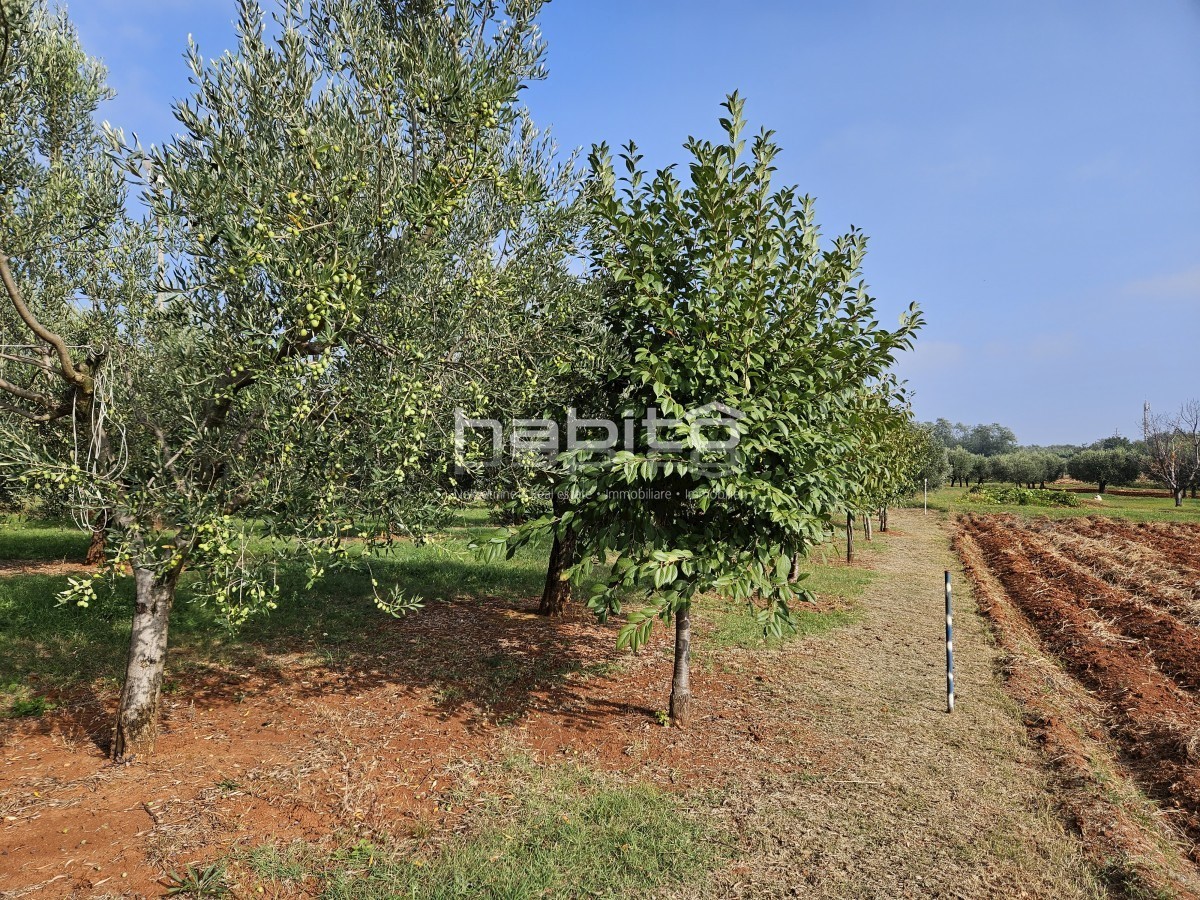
<point x="1028" y="170"/>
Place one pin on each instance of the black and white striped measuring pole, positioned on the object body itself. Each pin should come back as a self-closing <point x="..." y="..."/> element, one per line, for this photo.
<point x="949" y="649"/>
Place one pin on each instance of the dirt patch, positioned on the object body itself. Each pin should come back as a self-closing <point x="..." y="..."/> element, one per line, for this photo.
<point x="386" y="739"/>
<point x="10" y="567"/>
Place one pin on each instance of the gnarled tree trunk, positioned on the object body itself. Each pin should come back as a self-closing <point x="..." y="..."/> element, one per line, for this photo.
<point x="681" y="685"/>
<point x="96" y="546"/>
<point x="137" y="716"/>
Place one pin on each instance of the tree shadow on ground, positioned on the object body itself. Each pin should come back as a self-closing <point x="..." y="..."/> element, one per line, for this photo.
<point x="476" y="651"/>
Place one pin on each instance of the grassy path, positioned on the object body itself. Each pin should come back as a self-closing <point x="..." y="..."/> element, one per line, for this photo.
<point x="886" y="795"/>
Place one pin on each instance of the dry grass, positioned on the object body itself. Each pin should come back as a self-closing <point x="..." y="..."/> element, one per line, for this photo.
<point x="889" y="796"/>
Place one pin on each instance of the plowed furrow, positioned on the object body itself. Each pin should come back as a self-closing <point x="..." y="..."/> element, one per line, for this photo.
<point x="1153" y="720"/>
<point x="1178" y="544"/>
<point x="1172" y="645"/>
<point x="1135" y="568"/>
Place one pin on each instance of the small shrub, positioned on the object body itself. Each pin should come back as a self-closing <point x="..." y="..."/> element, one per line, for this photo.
<point x="1018" y="496"/>
<point x="29" y="707"/>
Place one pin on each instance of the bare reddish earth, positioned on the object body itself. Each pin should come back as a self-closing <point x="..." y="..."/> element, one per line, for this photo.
<point x="392" y="739"/>
<point x="1141" y="662"/>
<point x="1059" y="723"/>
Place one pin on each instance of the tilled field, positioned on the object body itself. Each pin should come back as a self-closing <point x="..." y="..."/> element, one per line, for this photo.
<point x="1118" y="605"/>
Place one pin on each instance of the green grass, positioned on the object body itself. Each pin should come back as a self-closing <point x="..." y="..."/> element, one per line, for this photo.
<point x="1137" y="509"/>
<point x="731" y="625"/>
<point x="21" y="538"/>
<point x="565" y="833"/>
<point x="60" y="646"/>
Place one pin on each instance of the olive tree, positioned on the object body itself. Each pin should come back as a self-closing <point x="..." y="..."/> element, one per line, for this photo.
<point x="328" y="301"/>
<point x="964" y="465"/>
<point x="1023" y="468"/>
<point x="1105" y="467"/>
<point x="744" y="347"/>
<point x="563" y="362"/>
<point x="64" y="236"/>
<point x="1050" y="466"/>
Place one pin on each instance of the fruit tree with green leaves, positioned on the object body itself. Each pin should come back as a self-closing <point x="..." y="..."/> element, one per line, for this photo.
<point x="719" y="291"/>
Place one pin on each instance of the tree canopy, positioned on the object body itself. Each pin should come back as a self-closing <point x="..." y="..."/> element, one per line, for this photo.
<point x="340" y="246"/>
<point x="727" y="313"/>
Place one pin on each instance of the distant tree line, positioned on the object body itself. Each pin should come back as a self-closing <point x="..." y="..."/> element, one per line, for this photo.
<point x="1169" y="453"/>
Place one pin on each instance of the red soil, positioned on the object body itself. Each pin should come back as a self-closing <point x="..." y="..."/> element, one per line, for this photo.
<point x="1141" y="662"/>
<point x="394" y="737"/>
<point x="1108" y="830"/>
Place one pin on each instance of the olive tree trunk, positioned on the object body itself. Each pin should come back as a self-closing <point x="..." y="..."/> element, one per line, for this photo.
<point x="96" y="547"/>
<point x="137" y="716"/>
<point x="681" y="685"/>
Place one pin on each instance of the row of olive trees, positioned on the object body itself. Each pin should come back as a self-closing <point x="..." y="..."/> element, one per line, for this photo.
<point x="358" y="232"/>
<point x="1164" y="457"/>
<point x="1022" y="467"/>
<point x="1037" y="467"/>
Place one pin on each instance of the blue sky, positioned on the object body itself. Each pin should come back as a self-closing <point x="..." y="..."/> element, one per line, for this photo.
<point x="1028" y="170"/>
